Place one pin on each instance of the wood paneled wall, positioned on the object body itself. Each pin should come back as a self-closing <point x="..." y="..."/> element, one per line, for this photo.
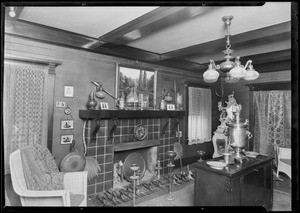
<point x="80" y="67"/>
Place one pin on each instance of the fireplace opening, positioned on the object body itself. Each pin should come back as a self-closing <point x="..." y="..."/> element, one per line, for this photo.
<point x="143" y="154"/>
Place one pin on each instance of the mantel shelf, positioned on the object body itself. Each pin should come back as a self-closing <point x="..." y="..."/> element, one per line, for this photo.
<point x="135" y="145"/>
<point x="123" y="114"/>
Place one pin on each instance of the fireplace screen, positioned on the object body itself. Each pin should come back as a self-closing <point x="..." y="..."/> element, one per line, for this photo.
<point x="138" y="160"/>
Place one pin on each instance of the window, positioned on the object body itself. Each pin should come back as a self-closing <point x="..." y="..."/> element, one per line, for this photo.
<point x="199" y="115"/>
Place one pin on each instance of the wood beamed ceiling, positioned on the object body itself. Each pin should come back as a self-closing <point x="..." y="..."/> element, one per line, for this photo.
<point x="267" y="47"/>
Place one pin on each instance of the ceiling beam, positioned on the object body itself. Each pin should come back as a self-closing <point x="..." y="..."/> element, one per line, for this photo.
<point x="68" y="39"/>
<point x="239" y="38"/>
<point x="150" y="23"/>
<point x="47" y="34"/>
<point x="258" y="46"/>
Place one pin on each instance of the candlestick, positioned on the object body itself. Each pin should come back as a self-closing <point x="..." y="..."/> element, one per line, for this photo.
<point x="134" y="177"/>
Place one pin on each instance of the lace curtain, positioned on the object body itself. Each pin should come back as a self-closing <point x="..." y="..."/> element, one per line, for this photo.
<point x="199" y="118"/>
<point x="24" y="107"/>
<point x="272" y="121"/>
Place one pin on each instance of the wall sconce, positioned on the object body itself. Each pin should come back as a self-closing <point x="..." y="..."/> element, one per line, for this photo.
<point x="12" y="12"/>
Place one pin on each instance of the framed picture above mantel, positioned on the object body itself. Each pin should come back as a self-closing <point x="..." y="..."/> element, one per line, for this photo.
<point x="136" y="86"/>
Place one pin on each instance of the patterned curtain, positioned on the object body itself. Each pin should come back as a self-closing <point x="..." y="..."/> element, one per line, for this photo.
<point x="199" y="118"/>
<point x="272" y="121"/>
<point x="24" y="106"/>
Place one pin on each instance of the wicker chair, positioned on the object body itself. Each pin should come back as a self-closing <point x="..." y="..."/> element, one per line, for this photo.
<point x="284" y="161"/>
<point x="74" y="193"/>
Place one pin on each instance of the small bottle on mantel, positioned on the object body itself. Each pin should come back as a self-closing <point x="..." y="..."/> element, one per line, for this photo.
<point x="91" y="103"/>
<point x="163" y="104"/>
<point x="121" y="103"/>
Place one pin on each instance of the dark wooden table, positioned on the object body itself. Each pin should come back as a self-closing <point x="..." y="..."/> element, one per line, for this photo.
<point x="241" y="184"/>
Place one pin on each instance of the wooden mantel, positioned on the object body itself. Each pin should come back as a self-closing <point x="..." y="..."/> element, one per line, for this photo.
<point x="123" y="114"/>
<point x="135" y="145"/>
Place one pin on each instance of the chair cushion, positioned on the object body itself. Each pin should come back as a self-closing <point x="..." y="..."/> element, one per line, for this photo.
<point x="287" y="161"/>
<point x="40" y="170"/>
<point x="76" y="199"/>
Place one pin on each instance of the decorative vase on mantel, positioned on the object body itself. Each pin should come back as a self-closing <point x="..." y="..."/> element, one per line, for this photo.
<point x="91" y="103"/>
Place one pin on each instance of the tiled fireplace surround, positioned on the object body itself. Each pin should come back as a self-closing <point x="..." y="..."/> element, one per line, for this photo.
<point x="103" y="149"/>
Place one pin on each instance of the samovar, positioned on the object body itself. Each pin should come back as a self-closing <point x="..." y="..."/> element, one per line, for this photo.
<point x="238" y="136"/>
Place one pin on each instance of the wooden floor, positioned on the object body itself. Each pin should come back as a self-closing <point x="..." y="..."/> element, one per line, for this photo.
<point x="285" y="185"/>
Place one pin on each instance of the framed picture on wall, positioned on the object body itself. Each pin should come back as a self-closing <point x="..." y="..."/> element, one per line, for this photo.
<point x="67" y="124"/>
<point x="136" y="85"/>
<point x="69" y="91"/>
<point x="66" y="139"/>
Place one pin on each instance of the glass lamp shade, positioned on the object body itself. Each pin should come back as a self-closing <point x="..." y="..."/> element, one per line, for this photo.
<point x="237" y="72"/>
<point x="251" y="74"/>
<point x="211" y="76"/>
<point x="210" y="81"/>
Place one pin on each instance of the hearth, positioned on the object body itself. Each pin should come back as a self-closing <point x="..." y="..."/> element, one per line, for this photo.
<point x="145" y="190"/>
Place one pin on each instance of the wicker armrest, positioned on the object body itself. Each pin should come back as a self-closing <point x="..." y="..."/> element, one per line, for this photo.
<point x="76" y="183"/>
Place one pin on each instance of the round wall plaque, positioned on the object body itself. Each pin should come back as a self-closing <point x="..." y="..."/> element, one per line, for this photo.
<point x="67" y="110"/>
<point x="140" y="132"/>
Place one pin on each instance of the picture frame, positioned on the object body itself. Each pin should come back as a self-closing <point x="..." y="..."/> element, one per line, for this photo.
<point x="136" y="85"/>
<point x="67" y="124"/>
<point x="66" y="139"/>
<point x="69" y="91"/>
<point x="103" y="105"/>
<point x="171" y="107"/>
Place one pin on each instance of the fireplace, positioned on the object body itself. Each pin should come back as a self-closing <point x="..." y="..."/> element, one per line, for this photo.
<point x="109" y="151"/>
<point x="124" y="155"/>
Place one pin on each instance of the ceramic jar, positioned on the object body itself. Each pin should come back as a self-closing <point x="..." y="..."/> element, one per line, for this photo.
<point x="91" y="103"/>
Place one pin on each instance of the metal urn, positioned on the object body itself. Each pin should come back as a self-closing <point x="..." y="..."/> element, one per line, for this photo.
<point x="238" y="136"/>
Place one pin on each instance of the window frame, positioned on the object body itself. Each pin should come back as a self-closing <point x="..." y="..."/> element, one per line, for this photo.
<point x="187" y="85"/>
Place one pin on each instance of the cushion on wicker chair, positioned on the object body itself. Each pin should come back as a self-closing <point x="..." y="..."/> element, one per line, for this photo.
<point x="41" y="172"/>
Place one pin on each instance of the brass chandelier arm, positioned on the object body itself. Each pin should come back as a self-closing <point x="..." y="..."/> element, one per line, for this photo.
<point x="212" y="65"/>
<point x="249" y="63"/>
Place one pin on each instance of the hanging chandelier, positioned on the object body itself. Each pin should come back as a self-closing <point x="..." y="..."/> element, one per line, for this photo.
<point x="232" y="71"/>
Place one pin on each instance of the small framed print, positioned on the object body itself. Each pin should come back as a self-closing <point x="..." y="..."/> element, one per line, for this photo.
<point x="103" y="105"/>
<point x="170" y="107"/>
<point x="66" y="139"/>
<point x="69" y="91"/>
<point x="67" y="124"/>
